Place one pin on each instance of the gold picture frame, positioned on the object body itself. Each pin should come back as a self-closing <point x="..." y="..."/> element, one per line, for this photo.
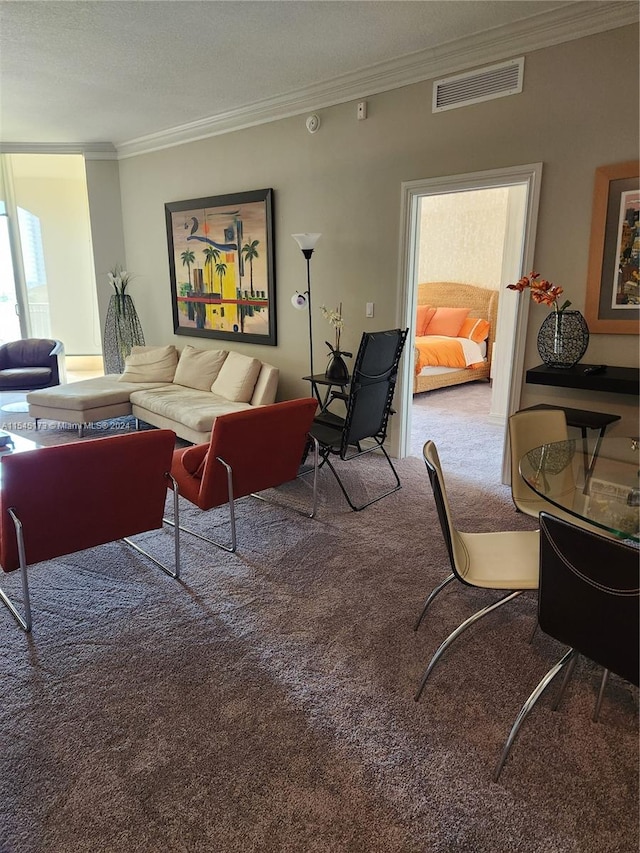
<point x="612" y="276"/>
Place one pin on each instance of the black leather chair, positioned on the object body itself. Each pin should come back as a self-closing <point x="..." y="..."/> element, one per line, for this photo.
<point x="368" y="405"/>
<point x="32" y="363"/>
<point x="589" y="599"/>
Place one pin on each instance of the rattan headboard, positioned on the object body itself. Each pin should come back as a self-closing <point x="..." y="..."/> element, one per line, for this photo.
<point x="481" y="302"/>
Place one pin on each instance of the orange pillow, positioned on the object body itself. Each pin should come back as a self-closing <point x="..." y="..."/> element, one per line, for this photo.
<point x="424" y="315"/>
<point x="475" y="329"/>
<point x="447" y="321"/>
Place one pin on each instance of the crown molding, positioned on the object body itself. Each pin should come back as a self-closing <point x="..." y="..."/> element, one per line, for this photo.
<point x="574" y="20"/>
<point x="90" y="150"/>
<point x="567" y="23"/>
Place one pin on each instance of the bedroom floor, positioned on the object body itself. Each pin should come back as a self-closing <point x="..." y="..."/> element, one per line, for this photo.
<point x="457" y="420"/>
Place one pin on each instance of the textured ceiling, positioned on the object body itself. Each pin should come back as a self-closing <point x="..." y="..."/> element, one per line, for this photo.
<point x="119" y="70"/>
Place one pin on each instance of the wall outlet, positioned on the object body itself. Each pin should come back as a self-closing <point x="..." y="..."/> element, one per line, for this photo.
<point x="369" y="309"/>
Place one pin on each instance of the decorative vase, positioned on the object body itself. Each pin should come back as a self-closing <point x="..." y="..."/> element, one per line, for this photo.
<point x="122" y="330"/>
<point x="563" y="339"/>
<point x="337" y="370"/>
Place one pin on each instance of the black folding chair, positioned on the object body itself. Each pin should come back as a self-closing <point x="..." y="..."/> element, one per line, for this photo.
<point x="368" y="408"/>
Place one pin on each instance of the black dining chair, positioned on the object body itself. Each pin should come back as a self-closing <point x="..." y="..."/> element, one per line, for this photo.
<point x="368" y="403"/>
<point x="589" y="599"/>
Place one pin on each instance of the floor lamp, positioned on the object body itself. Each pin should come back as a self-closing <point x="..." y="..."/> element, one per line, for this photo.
<point x="307" y="243"/>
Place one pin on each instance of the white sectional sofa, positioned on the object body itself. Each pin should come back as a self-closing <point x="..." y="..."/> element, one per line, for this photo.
<point x="183" y="391"/>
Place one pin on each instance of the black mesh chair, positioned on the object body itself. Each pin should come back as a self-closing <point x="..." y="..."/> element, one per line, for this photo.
<point x="588" y="599"/>
<point x="368" y="405"/>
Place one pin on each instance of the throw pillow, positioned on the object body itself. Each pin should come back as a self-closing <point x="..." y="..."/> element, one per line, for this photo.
<point x="447" y="321"/>
<point x="475" y="329"/>
<point x="237" y="378"/>
<point x="150" y="364"/>
<point x="424" y="315"/>
<point x="198" y="368"/>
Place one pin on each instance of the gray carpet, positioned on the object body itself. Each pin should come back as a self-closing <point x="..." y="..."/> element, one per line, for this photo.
<point x="264" y="703"/>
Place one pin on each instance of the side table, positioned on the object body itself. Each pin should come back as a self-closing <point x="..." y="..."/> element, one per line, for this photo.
<point x="319" y="379"/>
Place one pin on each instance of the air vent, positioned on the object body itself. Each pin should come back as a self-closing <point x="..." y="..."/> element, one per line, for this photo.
<point x="472" y="87"/>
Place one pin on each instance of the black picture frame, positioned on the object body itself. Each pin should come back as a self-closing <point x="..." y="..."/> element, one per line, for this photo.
<point x="222" y="267"/>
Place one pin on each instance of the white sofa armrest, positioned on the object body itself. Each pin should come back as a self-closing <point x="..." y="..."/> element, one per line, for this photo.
<point x="266" y="386"/>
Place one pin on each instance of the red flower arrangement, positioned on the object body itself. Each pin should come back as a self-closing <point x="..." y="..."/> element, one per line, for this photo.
<point x="542" y="291"/>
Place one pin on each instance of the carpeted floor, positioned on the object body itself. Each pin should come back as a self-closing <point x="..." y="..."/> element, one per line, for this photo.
<point x="265" y="702"/>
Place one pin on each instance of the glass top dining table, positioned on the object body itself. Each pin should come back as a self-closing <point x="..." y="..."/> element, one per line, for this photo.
<point x="597" y="480"/>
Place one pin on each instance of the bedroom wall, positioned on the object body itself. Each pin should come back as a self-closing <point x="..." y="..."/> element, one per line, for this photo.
<point x="578" y="110"/>
<point x="462" y="236"/>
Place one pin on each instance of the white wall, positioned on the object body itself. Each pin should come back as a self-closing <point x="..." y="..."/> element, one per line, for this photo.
<point x="578" y="111"/>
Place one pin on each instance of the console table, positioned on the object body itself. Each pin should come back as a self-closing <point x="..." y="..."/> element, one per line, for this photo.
<point x="617" y="380"/>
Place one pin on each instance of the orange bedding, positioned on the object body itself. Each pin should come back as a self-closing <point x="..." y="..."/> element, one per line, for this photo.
<point x="441" y="351"/>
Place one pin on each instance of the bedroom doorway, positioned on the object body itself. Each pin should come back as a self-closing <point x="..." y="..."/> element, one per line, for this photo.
<point x="439" y="242"/>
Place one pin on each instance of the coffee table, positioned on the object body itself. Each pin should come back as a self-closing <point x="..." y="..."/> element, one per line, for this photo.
<point x="16" y="444"/>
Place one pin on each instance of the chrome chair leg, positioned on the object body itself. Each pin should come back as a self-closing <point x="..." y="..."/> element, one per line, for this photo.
<point x="603" y="684"/>
<point x="232" y="515"/>
<point x="459" y="630"/>
<point x="567" y="677"/>
<point x="432" y="595"/>
<point x="23" y="621"/>
<point x="176" y="539"/>
<point x="527" y="708"/>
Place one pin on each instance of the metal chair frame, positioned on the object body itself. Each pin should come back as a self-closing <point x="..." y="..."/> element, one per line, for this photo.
<point x="231" y="504"/>
<point x="437" y="483"/>
<point x="24" y="619"/>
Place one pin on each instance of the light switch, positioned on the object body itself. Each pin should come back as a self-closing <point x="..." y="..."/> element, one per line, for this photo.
<point x="369" y="309"/>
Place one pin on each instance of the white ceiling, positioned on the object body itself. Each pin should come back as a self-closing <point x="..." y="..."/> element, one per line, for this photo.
<point x="147" y="73"/>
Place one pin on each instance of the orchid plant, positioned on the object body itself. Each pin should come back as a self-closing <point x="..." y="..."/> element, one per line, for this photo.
<point x="336" y="320"/>
<point x="542" y="291"/>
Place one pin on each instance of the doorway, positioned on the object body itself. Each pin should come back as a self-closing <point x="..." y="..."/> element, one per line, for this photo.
<point x="519" y="194"/>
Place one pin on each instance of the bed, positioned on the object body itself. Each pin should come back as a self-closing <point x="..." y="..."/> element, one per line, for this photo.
<point x="482" y="304"/>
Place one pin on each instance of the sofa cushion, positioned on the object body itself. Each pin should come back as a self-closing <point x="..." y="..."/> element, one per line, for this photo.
<point x="150" y="364"/>
<point x="195" y="409"/>
<point x="199" y="368"/>
<point x="18" y="377"/>
<point x="237" y="378"/>
<point x="87" y="394"/>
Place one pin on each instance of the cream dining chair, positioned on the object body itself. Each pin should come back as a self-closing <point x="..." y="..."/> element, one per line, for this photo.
<point x="505" y="560"/>
<point x="528" y="429"/>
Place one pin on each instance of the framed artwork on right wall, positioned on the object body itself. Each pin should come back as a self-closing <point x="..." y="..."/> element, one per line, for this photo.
<point x="613" y="280"/>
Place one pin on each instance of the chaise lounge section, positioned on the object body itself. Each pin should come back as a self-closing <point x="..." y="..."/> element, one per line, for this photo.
<point x="184" y="392"/>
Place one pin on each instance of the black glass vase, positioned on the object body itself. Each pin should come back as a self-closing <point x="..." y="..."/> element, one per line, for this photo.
<point x="563" y="339"/>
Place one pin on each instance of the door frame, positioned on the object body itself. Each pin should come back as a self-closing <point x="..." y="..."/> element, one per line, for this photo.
<point x="529" y="175"/>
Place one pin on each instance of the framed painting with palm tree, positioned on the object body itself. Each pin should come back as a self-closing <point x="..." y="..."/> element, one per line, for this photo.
<point x="221" y="267"/>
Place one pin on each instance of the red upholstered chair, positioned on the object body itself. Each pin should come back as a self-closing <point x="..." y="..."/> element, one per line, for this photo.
<point x="251" y="450"/>
<point x="57" y="500"/>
